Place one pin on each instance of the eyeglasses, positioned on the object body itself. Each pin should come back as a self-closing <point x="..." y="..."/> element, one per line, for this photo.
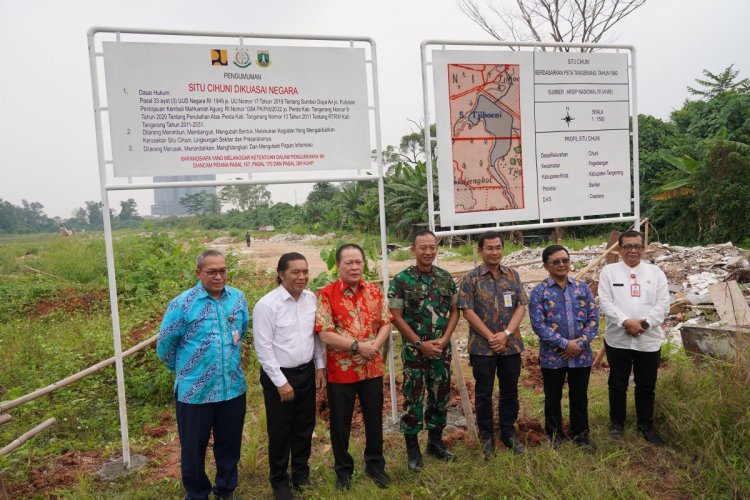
<point x="628" y="248"/>
<point x="213" y="272"/>
<point x="493" y="249"/>
<point x="557" y="262"/>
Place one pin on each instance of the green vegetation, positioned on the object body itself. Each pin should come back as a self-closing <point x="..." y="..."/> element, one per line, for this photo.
<point x="51" y="327"/>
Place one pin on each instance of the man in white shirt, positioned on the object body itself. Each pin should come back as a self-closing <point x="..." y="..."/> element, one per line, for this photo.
<point x="293" y="367"/>
<point x="634" y="297"/>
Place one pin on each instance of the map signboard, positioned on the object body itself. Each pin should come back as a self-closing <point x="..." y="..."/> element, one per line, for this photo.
<point x="531" y="135"/>
<point x="189" y="109"/>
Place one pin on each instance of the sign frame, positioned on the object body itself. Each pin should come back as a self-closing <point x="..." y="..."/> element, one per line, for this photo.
<point x="428" y="46"/>
<point x="96" y="36"/>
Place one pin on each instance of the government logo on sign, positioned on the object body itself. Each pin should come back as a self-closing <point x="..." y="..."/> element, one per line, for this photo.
<point x="242" y="58"/>
<point x="264" y="58"/>
<point x="218" y="57"/>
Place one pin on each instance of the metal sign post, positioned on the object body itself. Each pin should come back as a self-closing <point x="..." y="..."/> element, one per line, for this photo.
<point x="131" y="147"/>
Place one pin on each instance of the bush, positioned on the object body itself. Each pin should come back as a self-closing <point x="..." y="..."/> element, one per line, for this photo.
<point x="706" y="407"/>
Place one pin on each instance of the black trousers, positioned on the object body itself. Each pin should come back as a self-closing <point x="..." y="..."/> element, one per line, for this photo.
<point x="485" y="369"/>
<point x="195" y="422"/>
<point x="578" y="386"/>
<point x="341" y="402"/>
<point x="290" y="425"/>
<point x="644" y="366"/>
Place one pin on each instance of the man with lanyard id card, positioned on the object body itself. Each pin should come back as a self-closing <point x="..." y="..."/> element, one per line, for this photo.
<point x="201" y="341"/>
<point x="493" y="301"/>
<point x="634" y="297"/>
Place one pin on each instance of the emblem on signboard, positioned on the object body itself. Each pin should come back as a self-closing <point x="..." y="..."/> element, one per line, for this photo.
<point x="264" y="58"/>
<point x="218" y="57"/>
<point x="242" y="58"/>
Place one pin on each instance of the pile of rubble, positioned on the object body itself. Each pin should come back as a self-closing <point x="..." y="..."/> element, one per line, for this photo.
<point x="527" y="254"/>
<point x="691" y="270"/>
<point x="300" y="237"/>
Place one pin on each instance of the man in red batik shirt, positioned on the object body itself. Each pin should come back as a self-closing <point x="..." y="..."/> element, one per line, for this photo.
<point x="353" y="321"/>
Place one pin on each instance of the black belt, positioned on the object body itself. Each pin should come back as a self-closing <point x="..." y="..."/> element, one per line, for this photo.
<point x="297" y="369"/>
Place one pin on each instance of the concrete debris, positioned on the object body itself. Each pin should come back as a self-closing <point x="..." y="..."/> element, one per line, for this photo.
<point x="690" y="272"/>
<point x="531" y="254"/>
<point x="300" y="237"/>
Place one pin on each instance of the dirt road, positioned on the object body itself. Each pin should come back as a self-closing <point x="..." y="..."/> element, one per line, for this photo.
<point x="264" y="255"/>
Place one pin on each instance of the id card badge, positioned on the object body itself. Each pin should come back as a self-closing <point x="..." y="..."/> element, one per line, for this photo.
<point x="235" y="336"/>
<point x="508" y="299"/>
<point x="635" y="290"/>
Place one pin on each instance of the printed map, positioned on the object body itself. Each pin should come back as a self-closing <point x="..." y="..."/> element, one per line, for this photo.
<point x="485" y="114"/>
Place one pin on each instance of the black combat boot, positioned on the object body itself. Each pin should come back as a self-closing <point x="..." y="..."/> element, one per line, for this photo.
<point x="437" y="448"/>
<point x="413" y="455"/>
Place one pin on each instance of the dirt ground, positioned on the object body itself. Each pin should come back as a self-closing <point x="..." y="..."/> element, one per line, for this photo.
<point x="264" y="254"/>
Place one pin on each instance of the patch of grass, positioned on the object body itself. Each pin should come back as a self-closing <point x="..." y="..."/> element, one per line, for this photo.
<point x="702" y="408"/>
<point x="401" y="254"/>
<point x="706" y="408"/>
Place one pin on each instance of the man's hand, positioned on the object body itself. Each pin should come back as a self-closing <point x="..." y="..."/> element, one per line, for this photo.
<point x="367" y="349"/>
<point x="286" y="392"/>
<point x="431" y="349"/>
<point x="633" y="327"/>
<point x="498" y="342"/>
<point x="572" y="350"/>
<point x="320" y="378"/>
<point x="359" y="359"/>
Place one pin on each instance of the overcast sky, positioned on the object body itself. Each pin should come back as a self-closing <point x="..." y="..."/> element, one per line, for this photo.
<point x="47" y="139"/>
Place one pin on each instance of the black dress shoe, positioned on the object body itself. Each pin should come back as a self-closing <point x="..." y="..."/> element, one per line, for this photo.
<point x="379" y="477"/>
<point x="557" y="439"/>
<point x="585" y="444"/>
<point x="652" y="437"/>
<point x="617" y="430"/>
<point x="488" y="448"/>
<point x="343" y="483"/>
<point x="514" y="445"/>
<point x="282" y="492"/>
<point x="436" y="447"/>
<point x="300" y="484"/>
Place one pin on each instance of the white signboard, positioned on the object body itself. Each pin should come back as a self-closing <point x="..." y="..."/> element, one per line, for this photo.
<point x="180" y="109"/>
<point x="527" y="135"/>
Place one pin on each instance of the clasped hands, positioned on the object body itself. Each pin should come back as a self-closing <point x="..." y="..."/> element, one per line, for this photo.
<point x="365" y="352"/>
<point x="634" y="327"/>
<point x="433" y="349"/>
<point x="498" y="342"/>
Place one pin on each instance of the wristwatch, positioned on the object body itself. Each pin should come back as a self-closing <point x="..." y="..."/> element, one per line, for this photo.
<point x="355" y="346"/>
<point x="645" y="325"/>
<point x="508" y="333"/>
<point x="418" y="344"/>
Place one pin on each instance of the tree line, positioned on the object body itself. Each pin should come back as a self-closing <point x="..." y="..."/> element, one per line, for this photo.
<point x="694" y="177"/>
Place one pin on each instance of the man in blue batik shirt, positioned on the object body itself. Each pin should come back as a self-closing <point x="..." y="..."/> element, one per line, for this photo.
<point x="564" y="316"/>
<point x="200" y="340"/>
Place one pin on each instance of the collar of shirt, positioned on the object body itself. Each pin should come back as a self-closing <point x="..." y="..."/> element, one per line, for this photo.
<point x="548" y="281"/>
<point x="420" y="275"/>
<point x="285" y="295"/>
<point x="485" y="269"/>
<point x="640" y="268"/>
<point x="347" y="290"/>
<point x="202" y="293"/>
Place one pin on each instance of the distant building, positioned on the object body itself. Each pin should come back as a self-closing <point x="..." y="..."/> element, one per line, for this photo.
<point x="267" y="227"/>
<point x="167" y="201"/>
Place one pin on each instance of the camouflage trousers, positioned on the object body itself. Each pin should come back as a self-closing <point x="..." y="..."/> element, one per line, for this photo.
<point x="434" y="375"/>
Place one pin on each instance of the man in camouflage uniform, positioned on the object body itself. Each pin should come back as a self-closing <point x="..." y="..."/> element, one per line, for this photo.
<point x="423" y="299"/>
